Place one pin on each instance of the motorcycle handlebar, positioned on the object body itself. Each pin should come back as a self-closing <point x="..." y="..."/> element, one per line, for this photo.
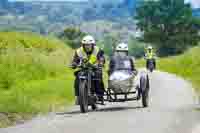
<point x="86" y="66"/>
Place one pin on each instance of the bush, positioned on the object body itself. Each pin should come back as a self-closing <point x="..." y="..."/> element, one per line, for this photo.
<point x="136" y="48"/>
<point x="72" y="36"/>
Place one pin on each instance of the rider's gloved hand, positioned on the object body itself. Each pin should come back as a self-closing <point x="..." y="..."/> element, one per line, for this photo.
<point x="85" y="60"/>
<point x="74" y="65"/>
<point x="135" y="72"/>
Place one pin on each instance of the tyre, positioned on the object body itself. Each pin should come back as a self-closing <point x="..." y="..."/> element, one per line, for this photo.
<point x="145" y="99"/>
<point x="144" y="82"/>
<point x="151" y="70"/>
<point x="151" y="67"/>
<point x="83" y="96"/>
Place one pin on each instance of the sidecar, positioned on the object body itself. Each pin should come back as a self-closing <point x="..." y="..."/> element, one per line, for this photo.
<point x="125" y="86"/>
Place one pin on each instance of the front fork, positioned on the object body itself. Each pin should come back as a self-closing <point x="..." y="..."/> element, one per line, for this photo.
<point x="91" y="90"/>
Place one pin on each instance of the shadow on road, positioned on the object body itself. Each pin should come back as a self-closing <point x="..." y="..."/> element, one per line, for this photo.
<point x="115" y="109"/>
<point x="106" y="109"/>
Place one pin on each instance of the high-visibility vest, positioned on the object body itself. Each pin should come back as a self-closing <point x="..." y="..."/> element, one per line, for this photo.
<point x="150" y="55"/>
<point x="92" y="58"/>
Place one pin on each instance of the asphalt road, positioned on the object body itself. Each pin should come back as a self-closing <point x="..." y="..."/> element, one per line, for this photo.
<point x="171" y="110"/>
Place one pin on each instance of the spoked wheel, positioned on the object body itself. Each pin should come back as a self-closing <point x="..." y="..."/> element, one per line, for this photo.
<point x="108" y="94"/>
<point x="145" y="99"/>
<point x="151" y="70"/>
<point x="83" y="96"/>
<point x="144" y="82"/>
<point x="151" y="67"/>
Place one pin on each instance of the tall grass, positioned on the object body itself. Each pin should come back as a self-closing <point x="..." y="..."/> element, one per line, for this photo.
<point x="34" y="77"/>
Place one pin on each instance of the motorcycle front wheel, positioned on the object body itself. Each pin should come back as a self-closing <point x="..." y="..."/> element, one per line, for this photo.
<point x="83" y="96"/>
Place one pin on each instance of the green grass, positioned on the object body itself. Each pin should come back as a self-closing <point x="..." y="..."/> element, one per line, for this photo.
<point x="34" y="77"/>
<point x="185" y="65"/>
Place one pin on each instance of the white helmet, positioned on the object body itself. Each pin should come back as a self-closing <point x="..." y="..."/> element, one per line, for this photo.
<point x="150" y="47"/>
<point x="88" y="40"/>
<point x="122" y="47"/>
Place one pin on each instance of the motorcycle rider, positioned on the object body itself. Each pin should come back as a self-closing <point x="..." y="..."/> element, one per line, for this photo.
<point x="150" y="55"/>
<point x="121" y="60"/>
<point x="95" y="56"/>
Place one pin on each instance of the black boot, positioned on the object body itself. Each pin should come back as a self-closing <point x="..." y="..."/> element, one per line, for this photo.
<point x="76" y="100"/>
<point x="101" y="99"/>
<point x="138" y="96"/>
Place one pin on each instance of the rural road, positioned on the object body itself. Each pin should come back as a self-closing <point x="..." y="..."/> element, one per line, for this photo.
<point x="172" y="110"/>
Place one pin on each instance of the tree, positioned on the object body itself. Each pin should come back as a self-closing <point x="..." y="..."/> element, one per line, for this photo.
<point x="168" y="24"/>
<point x="109" y="42"/>
<point x="136" y="48"/>
<point x="72" y="36"/>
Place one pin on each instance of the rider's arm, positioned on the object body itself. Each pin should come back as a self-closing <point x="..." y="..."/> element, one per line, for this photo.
<point x="76" y="60"/>
<point x="111" y="65"/>
<point x="145" y="56"/>
<point x="155" y="55"/>
<point x="101" y="57"/>
<point x="133" y="66"/>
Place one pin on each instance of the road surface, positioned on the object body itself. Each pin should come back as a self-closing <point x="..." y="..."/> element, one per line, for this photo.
<point x="171" y="110"/>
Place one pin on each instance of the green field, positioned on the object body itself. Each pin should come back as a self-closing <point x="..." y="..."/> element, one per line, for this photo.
<point x="34" y="77"/>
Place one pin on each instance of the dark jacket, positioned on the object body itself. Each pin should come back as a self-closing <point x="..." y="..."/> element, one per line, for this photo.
<point x="121" y="63"/>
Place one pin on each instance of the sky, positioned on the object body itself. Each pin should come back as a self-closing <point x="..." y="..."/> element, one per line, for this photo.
<point x="47" y="0"/>
<point x="194" y="3"/>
